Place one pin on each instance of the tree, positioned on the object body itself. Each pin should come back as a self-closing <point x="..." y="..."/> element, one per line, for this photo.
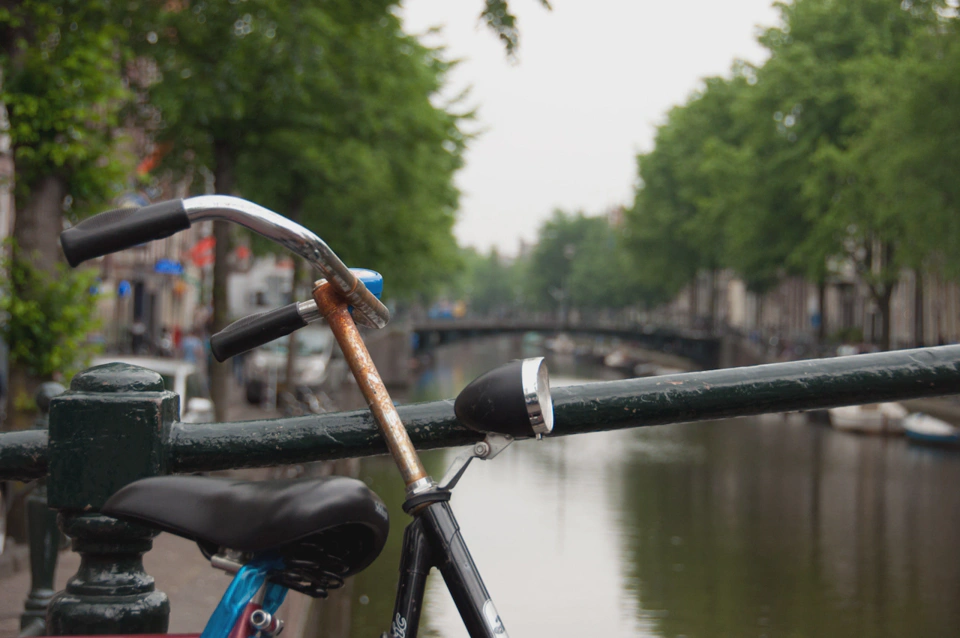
<point x="64" y="88"/>
<point x="497" y="15"/>
<point x="490" y="284"/>
<point x="321" y="110"/>
<point x="365" y="159"/>
<point x="678" y="223"/>
<point x="47" y="330"/>
<point x="911" y="146"/>
<point x="560" y="244"/>
<point x="796" y="166"/>
<point x="820" y="59"/>
<point x="222" y="69"/>
<point x="368" y="158"/>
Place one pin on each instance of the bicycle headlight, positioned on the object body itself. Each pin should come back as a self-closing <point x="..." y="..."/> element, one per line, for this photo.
<point x="512" y="399"/>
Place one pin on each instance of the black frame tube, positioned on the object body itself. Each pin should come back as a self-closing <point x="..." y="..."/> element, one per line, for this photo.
<point x="452" y="557"/>
<point x="415" y="562"/>
<point x="433" y="539"/>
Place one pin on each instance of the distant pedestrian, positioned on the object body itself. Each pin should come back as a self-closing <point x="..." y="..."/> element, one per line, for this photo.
<point x="138" y="334"/>
<point x="166" y="342"/>
<point x="192" y="348"/>
<point x="177" y="339"/>
<point x="239" y="367"/>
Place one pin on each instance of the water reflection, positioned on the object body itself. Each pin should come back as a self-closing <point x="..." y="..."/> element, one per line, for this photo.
<point x="790" y="529"/>
<point x="738" y="528"/>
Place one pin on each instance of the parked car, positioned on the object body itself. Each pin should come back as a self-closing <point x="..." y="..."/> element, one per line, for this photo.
<point x="266" y="366"/>
<point x="182" y="377"/>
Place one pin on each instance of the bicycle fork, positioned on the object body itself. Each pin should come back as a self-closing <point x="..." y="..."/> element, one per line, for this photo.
<point x="433" y="539"/>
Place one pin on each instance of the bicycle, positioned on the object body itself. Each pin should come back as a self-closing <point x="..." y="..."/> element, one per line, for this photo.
<point x="309" y="535"/>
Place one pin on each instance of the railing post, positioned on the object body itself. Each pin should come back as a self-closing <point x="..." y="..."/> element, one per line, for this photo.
<point x="109" y="430"/>
<point x="43" y="535"/>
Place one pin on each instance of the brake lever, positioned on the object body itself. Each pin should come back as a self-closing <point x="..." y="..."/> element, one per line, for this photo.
<point x="256" y="330"/>
<point x="485" y="450"/>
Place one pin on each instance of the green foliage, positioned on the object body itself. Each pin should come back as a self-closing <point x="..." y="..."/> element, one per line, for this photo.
<point x="496" y="14"/>
<point x="581" y="262"/>
<point x="326" y="109"/>
<point x="822" y="60"/>
<point x="909" y="154"/>
<point x="370" y="165"/>
<point x="491" y="284"/>
<point x="551" y="261"/>
<point x="840" y="150"/>
<point x="47" y="330"/>
<point x="578" y="262"/>
<point x="65" y="91"/>
<point x="677" y="222"/>
<point x="222" y="67"/>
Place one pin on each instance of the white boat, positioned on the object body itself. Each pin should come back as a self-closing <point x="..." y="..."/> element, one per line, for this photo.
<point x="872" y="418"/>
<point x="645" y="370"/>
<point x="621" y="359"/>
<point x="928" y="430"/>
<point x="562" y="344"/>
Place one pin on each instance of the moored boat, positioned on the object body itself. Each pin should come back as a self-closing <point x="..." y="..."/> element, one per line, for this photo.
<point x="561" y="344"/>
<point x="872" y="418"/>
<point x="621" y="359"/>
<point x="925" y="429"/>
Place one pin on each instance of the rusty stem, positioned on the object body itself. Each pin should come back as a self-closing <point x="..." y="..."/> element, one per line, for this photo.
<point x="334" y="310"/>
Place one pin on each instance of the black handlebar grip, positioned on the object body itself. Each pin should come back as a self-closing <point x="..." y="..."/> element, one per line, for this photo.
<point x="255" y="330"/>
<point x="122" y="228"/>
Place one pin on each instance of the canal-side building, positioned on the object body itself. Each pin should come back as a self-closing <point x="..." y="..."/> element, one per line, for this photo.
<point x="156" y="286"/>
<point x="924" y="310"/>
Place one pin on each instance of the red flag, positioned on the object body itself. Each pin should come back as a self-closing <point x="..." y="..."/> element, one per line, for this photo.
<point x="203" y="253"/>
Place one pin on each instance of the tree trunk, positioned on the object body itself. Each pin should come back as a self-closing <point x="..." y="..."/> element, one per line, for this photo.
<point x="6" y="170"/>
<point x="694" y="294"/>
<point x="291" y="376"/>
<point x="918" y="309"/>
<point x="822" y="309"/>
<point x="888" y="286"/>
<point x="884" y="303"/>
<point x="37" y="227"/>
<point x="294" y="214"/>
<point x="712" y="310"/>
<point x="223" y="175"/>
<point x="36" y="230"/>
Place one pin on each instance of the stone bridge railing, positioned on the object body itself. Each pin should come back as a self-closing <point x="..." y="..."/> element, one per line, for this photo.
<point x="703" y="348"/>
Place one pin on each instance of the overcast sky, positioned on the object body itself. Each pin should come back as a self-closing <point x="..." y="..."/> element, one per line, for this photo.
<point x="563" y="125"/>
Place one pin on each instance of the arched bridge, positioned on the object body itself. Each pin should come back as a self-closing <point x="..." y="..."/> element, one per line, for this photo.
<point x="702" y="348"/>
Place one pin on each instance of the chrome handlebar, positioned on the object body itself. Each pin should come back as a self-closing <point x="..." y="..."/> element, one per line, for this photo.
<point x="368" y="310"/>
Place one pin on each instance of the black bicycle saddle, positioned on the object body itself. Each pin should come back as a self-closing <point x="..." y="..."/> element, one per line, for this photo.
<point x="333" y="524"/>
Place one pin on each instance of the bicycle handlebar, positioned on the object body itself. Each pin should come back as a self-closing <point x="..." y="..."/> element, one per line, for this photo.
<point x="262" y="328"/>
<point x="124" y="228"/>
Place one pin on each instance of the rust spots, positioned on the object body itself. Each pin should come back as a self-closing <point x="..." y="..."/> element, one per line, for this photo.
<point x="334" y="309"/>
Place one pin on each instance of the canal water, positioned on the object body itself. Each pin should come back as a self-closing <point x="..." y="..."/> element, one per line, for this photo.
<point x="749" y="527"/>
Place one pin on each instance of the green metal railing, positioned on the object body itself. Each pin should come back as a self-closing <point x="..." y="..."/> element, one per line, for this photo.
<point x="43" y="535"/>
<point x="117" y="424"/>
